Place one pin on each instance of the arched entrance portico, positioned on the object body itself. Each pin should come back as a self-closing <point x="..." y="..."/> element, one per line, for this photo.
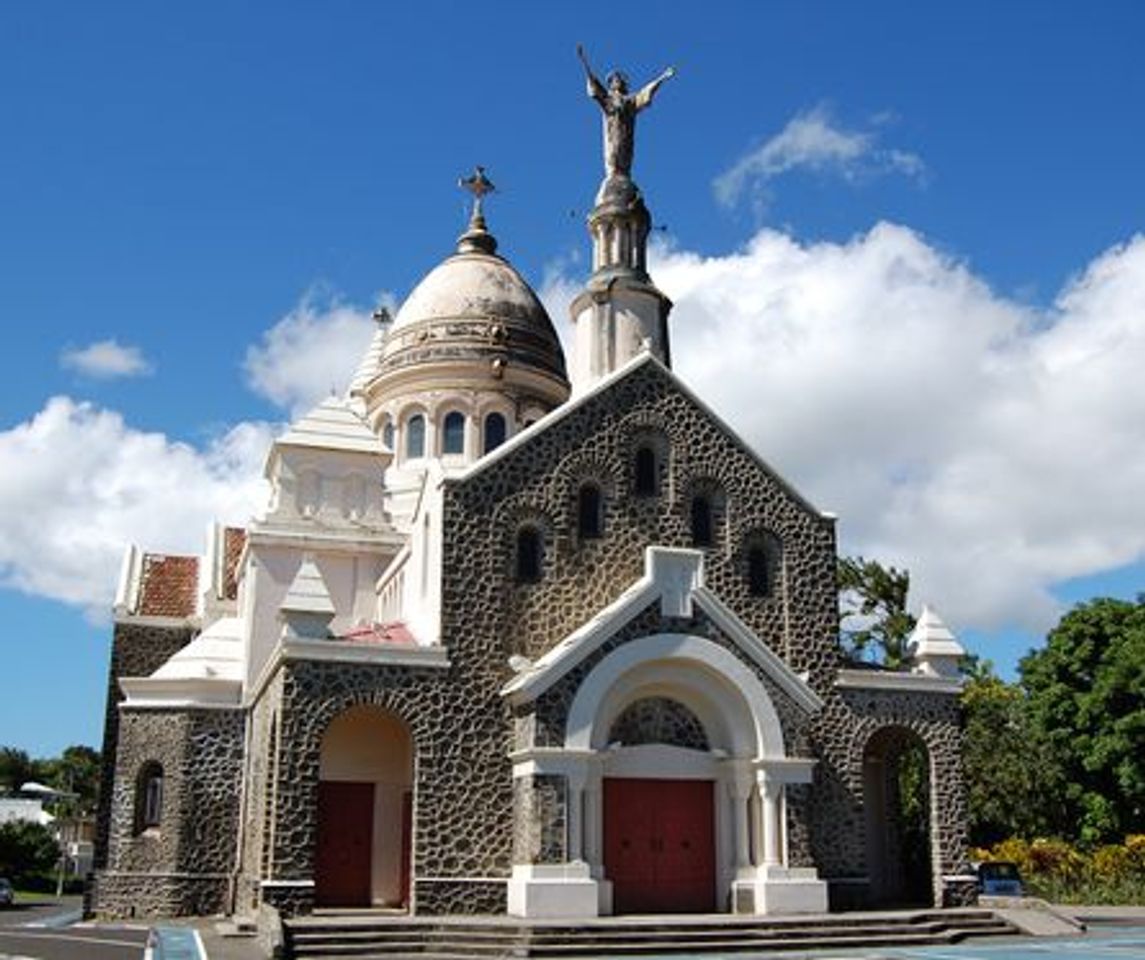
<point x="364" y="811"/>
<point x="681" y="812"/>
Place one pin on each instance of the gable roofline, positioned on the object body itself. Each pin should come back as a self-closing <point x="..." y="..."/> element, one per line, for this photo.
<point x="571" y="406"/>
<point x="675" y="576"/>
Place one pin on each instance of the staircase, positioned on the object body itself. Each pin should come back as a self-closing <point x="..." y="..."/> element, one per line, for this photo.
<point x="365" y="936"/>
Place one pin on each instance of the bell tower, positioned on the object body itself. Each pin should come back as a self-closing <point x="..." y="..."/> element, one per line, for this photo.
<point x="620" y="313"/>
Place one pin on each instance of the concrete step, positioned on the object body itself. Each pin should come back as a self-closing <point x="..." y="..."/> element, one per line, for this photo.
<point x="437" y="938"/>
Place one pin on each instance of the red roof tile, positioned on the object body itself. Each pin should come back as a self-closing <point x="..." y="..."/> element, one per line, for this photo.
<point x="395" y="632"/>
<point x="168" y="586"/>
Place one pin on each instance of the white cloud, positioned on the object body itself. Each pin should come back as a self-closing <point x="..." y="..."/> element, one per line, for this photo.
<point x="105" y="360"/>
<point x="813" y="141"/>
<point x="78" y="484"/>
<point x="310" y="353"/>
<point x="992" y="448"/>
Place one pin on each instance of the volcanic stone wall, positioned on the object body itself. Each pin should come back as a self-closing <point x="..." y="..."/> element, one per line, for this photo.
<point x="136" y="651"/>
<point x="184" y="864"/>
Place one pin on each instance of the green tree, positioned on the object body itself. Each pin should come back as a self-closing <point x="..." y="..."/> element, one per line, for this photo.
<point x="1014" y="786"/>
<point x="1086" y="691"/>
<point x="872" y="601"/>
<point x="17" y="768"/>
<point x="76" y="771"/>
<point x="26" y="848"/>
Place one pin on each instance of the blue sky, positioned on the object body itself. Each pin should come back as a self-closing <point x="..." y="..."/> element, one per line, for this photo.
<point x="902" y="238"/>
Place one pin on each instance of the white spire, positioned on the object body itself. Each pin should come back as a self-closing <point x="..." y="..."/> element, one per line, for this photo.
<point x="932" y="648"/>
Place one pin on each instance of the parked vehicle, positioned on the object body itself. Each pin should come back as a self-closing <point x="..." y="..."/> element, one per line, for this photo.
<point x="7" y="894"/>
<point x="999" y="878"/>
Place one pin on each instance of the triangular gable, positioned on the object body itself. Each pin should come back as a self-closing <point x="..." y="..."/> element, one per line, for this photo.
<point x="603" y="386"/>
<point x="675" y="577"/>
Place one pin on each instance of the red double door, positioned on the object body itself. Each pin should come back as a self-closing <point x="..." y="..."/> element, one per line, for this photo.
<point x="343" y="859"/>
<point x="659" y="845"/>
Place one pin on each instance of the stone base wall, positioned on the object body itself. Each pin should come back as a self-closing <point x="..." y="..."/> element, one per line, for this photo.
<point x="442" y="897"/>
<point x="121" y="896"/>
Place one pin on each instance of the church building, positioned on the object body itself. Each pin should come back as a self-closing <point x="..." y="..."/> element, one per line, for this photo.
<point x="520" y="633"/>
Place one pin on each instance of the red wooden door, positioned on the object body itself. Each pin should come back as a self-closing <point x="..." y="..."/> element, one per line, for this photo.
<point x="659" y="845"/>
<point x="345" y="840"/>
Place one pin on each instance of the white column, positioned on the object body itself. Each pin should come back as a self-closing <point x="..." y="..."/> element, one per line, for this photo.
<point x="771" y="794"/>
<point x="740" y="790"/>
<point x="575" y="814"/>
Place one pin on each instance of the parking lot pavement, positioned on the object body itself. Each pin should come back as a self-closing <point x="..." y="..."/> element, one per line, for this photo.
<point x="40" y="929"/>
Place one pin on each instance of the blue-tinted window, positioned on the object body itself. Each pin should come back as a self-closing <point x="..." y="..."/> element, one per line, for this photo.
<point x="495" y="430"/>
<point x="415" y="436"/>
<point x="453" y="433"/>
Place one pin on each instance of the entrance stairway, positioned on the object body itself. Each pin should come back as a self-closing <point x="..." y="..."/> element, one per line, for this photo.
<point x="364" y="936"/>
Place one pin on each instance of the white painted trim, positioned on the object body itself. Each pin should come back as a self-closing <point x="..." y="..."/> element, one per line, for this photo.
<point x="849" y="679"/>
<point x="351" y="652"/>
<point x="675" y="577"/>
<point x="182" y="691"/>
<point x="573" y="404"/>
<point x="708" y="668"/>
<point x="785" y="678"/>
<point x="142" y="620"/>
<point x="288" y="884"/>
<point x="531" y="683"/>
<point x="266" y="534"/>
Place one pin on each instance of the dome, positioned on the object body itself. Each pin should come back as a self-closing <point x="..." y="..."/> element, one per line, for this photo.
<point x="474" y="307"/>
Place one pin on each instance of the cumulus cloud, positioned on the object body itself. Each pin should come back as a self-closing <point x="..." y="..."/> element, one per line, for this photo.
<point x="812" y="140"/>
<point x="992" y="448"/>
<point x="310" y="353"/>
<point x="105" y="360"/>
<point x="78" y="483"/>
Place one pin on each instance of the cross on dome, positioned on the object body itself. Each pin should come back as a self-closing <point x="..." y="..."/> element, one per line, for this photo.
<point x="477" y="238"/>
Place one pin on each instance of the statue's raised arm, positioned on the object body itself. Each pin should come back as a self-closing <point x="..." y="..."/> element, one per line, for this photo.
<point x="644" y="96"/>
<point x="595" y="87"/>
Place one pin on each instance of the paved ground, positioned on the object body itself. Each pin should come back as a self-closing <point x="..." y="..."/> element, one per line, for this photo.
<point x="39" y="930"/>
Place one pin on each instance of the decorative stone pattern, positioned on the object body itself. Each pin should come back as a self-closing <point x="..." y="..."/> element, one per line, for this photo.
<point x="136" y="651"/>
<point x="190" y="855"/>
<point x="841" y="734"/>
<point x="658" y="720"/>
<point x="597" y="441"/>
<point x="472" y="820"/>
<point x="539" y="808"/>
<point x="551" y="707"/>
<point x="462" y="775"/>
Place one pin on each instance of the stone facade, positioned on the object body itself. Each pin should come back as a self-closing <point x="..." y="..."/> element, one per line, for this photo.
<point x="541" y="595"/>
<point x="185" y="864"/>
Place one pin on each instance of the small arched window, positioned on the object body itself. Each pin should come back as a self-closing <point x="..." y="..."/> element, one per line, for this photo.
<point x="647" y="479"/>
<point x="757" y="575"/>
<point x="530" y="555"/>
<point x="494" y="431"/>
<point x="590" y="516"/>
<point x="149" y="797"/>
<point x="702" y="521"/>
<point x="453" y="433"/>
<point x="388" y="434"/>
<point x="415" y="437"/>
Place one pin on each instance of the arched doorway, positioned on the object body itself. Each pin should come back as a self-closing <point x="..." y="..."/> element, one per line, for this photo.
<point x="365" y="781"/>
<point x="660" y="830"/>
<point x="897" y="805"/>
<point x="681" y="809"/>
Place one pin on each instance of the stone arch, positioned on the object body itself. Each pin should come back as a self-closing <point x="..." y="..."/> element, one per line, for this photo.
<point x="760" y="554"/>
<point x="897" y="774"/>
<point x="364" y="809"/>
<point x="149" y="796"/>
